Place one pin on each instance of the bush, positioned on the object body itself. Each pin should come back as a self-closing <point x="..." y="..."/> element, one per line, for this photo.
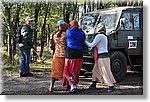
<point x="16" y="59"/>
<point x="6" y="64"/>
<point x="5" y="57"/>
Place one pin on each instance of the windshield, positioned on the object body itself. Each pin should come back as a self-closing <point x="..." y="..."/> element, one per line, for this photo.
<point x="88" y="21"/>
<point x="109" y="20"/>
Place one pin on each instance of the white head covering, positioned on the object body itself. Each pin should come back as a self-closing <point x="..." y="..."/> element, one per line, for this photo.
<point x="101" y="28"/>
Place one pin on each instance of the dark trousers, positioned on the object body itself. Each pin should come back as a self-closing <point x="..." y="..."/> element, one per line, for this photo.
<point x="24" y="67"/>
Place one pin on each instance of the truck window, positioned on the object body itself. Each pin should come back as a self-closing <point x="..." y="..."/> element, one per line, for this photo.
<point x="128" y="24"/>
<point x="132" y="21"/>
<point x="136" y="20"/>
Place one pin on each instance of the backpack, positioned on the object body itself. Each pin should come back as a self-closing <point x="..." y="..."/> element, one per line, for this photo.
<point x="18" y="37"/>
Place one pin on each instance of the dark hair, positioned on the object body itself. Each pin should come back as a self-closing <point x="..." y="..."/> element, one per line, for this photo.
<point x="62" y="28"/>
<point x="74" y="24"/>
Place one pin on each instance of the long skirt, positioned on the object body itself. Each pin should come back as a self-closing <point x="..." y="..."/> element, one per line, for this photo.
<point x="102" y="72"/>
<point x="57" y="67"/>
<point x="72" y="71"/>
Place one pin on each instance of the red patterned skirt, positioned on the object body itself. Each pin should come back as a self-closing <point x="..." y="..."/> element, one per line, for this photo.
<point x="71" y="71"/>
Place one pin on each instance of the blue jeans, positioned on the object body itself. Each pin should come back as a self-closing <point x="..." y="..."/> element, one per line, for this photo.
<point x="24" y="67"/>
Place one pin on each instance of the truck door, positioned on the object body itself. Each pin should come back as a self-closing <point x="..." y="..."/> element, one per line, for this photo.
<point x="130" y="35"/>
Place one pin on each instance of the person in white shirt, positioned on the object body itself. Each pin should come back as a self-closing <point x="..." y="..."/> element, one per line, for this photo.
<point x="102" y="70"/>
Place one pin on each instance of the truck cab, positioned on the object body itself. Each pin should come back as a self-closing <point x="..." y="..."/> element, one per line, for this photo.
<point x="124" y="28"/>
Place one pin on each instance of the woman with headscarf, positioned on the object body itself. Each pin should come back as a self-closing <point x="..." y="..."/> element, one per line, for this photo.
<point x="101" y="71"/>
<point x="75" y="39"/>
<point x="52" y="46"/>
<point x="58" y="60"/>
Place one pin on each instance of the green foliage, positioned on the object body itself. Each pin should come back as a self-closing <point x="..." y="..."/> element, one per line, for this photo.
<point x="56" y="11"/>
<point x="9" y="68"/>
<point x="16" y="59"/>
<point x="6" y="65"/>
<point x="5" y="58"/>
<point x="47" y="55"/>
<point x="109" y="4"/>
<point x="140" y="2"/>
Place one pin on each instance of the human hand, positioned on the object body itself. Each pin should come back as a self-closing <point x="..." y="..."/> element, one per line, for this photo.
<point x="34" y="46"/>
<point x="89" y="48"/>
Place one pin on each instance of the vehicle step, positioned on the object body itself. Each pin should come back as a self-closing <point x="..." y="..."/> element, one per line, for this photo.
<point x="88" y="63"/>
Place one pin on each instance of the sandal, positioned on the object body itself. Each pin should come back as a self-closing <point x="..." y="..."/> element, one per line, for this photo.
<point x="50" y="90"/>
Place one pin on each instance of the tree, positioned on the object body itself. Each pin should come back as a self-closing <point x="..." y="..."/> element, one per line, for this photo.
<point x="7" y="7"/>
<point x="74" y="9"/>
<point x="36" y="14"/>
<point x="46" y="15"/>
<point x="16" y="26"/>
<point x="43" y="30"/>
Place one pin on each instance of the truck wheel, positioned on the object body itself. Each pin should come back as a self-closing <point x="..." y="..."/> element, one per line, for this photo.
<point x="118" y="65"/>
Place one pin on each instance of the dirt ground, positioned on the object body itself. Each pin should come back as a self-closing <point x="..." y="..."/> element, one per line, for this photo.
<point x="132" y="84"/>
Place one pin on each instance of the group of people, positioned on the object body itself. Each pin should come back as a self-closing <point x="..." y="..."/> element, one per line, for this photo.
<point x="67" y="60"/>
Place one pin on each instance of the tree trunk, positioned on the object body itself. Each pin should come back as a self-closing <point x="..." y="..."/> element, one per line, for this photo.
<point x="48" y="26"/>
<point x="8" y="15"/>
<point x="63" y="9"/>
<point x="16" y="26"/>
<point x="66" y="12"/>
<point x="36" y="13"/>
<point x="89" y="6"/>
<point x="97" y="4"/>
<point x="85" y="6"/>
<point x="48" y="35"/>
<point x="74" y="11"/>
<point x="93" y="5"/>
<point x="43" y="32"/>
<point x="101" y="5"/>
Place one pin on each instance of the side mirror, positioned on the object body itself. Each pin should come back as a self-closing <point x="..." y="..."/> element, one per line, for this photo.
<point x="122" y="22"/>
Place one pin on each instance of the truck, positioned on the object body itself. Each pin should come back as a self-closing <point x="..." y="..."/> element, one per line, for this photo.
<point x="124" y="29"/>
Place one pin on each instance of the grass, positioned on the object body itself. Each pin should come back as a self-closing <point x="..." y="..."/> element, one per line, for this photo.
<point x="41" y="67"/>
<point x="8" y="68"/>
<point x="34" y="66"/>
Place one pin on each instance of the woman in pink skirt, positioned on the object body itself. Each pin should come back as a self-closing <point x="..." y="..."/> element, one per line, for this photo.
<point x="75" y="39"/>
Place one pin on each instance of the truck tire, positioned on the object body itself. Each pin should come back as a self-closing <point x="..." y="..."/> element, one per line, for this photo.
<point x="118" y="65"/>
